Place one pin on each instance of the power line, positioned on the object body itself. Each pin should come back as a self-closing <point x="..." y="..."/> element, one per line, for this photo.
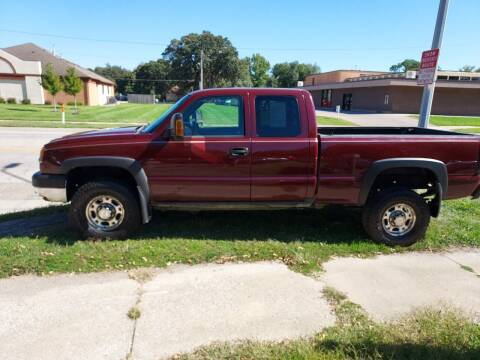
<point x="83" y="38"/>
<point x="239" y="48"/>
<point x="152" y="80"/>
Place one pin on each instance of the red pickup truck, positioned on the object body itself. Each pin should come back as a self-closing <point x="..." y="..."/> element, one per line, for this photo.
<point x="257" y="149"/>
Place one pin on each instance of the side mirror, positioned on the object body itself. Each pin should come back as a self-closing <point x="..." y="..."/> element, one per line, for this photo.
<point x="177" y="127"/>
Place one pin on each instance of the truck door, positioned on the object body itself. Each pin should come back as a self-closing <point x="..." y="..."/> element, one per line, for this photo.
<point x="212" y="161"/>
<point x="281" y="165"/>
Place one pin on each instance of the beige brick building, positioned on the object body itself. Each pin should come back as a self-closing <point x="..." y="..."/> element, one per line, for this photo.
<point x="97" y="90"/>
<point x="456" y="93"/>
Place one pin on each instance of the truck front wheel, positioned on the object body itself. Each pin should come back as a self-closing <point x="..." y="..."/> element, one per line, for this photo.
<point x="396" y="217"/>
<point x="104" y="210"/>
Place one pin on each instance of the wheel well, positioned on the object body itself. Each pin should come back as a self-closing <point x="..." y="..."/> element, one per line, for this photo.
<point x="422" y="180"/>
<point x="404" y="177"/>
<point x="80" y="176"/>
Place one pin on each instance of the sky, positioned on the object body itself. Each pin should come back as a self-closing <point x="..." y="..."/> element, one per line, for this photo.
<point x="339" y="34"/>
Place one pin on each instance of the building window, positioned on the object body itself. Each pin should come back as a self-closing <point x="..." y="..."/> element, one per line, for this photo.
<point x="386" y="101"/>
<point x="326" y="98"/>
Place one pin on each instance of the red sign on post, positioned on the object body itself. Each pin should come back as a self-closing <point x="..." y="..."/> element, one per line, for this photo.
<point x="428" y="67"/>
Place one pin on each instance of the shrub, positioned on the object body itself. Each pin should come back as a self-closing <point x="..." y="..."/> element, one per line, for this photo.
<point x="72" y="103"/>
<point x="48" y="102"/>
<point x="11" y="101"/>
<point x="26" y="102"/>
<point x="2" y="100"/>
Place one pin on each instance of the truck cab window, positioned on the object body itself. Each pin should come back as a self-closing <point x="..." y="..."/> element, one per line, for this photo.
<point x="215" y="116"/>
<point x="277" y="116"/>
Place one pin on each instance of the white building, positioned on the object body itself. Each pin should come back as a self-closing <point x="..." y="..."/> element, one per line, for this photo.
<point x="20" y="79"/>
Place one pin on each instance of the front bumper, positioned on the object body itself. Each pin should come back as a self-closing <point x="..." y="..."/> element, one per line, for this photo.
<point x="50" y="187"/>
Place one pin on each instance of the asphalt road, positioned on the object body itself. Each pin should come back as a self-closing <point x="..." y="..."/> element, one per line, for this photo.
<point x="19" y="151"/>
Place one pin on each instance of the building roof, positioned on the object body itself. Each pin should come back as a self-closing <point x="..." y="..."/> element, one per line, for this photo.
<point x="348" y="70"/>
<point x="392" y="82"/>
<point x="32" y="52"/>
<point x="451" y="79"/>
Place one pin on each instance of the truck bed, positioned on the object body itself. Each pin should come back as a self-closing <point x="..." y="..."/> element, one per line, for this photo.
<point x="330" y="131"/>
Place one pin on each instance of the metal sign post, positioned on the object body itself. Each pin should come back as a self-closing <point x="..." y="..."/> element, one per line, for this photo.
<point x="429" y="89"/>
<point x="63" y="114"/>
<point x="201" y="69"/>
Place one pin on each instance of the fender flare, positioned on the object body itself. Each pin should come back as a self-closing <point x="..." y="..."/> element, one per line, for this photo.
<point x="131" y="165"/>
<point x="437" y="167"/>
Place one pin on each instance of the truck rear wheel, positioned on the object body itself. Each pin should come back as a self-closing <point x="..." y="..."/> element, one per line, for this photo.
<point x="104" y="210"/>
<point x="396" y="217"/>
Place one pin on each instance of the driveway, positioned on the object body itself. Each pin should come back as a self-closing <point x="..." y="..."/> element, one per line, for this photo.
<point x="19" y="151"/>
<point x="373" y="119"/>
<point x="183" y="307"/>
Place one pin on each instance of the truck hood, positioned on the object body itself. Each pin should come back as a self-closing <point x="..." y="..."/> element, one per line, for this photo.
<point x="95" y="134"/>
<point x="103" y="132"/>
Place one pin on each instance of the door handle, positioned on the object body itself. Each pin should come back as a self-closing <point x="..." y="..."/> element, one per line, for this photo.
<point x="238" y="152"/>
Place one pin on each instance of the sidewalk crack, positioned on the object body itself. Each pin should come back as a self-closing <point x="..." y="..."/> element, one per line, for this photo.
<point x="462" y="266"/>
<point x="141" y="276"/>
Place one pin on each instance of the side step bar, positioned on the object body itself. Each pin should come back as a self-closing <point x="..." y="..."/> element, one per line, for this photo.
<point x="202" y="206"/>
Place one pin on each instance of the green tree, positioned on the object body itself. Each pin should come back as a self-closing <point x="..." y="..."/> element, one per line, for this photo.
<point x="307" y="69"/>
<point x="405" y="65"/>
<point x="51" y="82"/>
<point x="72" y="84"/>
<point x="123" y="77"/>
<point x="285" y="75"/>
<point x="245" y="79"/>
<point x="221" y="63"/>
<point x="289" y="74"/>
<point x="259" y="67"/>
<point x="467" y="68"/>
<point x="150" y="78"/>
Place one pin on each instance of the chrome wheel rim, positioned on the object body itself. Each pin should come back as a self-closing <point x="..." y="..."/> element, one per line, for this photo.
<point x="398" y="219"/>
<point x="105" y="213"/>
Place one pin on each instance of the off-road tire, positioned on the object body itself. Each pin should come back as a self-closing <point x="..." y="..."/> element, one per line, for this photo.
<point x="379" y="204"/>
<point x="87" y="192"/>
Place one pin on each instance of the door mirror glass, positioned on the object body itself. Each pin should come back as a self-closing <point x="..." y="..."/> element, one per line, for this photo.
<point x="177" y="127"/>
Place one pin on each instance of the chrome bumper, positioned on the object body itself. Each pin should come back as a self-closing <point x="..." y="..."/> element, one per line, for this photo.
<point x="50" y="187"/>
<point x="52" y="194"/>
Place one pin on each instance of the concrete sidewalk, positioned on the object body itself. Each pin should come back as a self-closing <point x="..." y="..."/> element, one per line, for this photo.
<point x="390" y="286"/>
<point x="182" y="307"/>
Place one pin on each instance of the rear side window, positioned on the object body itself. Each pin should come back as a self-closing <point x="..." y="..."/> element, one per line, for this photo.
<point x="277" y="116"/>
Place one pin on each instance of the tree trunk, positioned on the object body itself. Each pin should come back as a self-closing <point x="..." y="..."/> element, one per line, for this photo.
<point x="75" y="101"/>
<point x="54" y="104"/>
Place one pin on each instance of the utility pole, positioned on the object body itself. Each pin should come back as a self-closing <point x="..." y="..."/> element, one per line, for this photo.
<point x="201" y="70"/>
<point x="429" y="89"/>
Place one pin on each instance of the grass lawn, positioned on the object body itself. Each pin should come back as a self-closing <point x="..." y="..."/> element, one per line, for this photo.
<point x="469" y="130"/>
<point x="326" y="120"/>
<point x="426" y="334"/>
<point x="119" y="115"/>
<point x="89" y="116"/>
<point x="455" y="120"/>
<point x="303" y="239"/>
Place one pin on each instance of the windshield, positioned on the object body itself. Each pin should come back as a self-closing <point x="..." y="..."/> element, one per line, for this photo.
<point x="154" y="124"/>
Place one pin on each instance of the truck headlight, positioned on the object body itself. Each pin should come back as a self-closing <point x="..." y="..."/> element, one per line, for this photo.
<point x="42" y="154"/>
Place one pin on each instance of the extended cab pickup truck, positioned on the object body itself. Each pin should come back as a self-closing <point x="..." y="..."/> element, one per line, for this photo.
<point x="257" y="149"/>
